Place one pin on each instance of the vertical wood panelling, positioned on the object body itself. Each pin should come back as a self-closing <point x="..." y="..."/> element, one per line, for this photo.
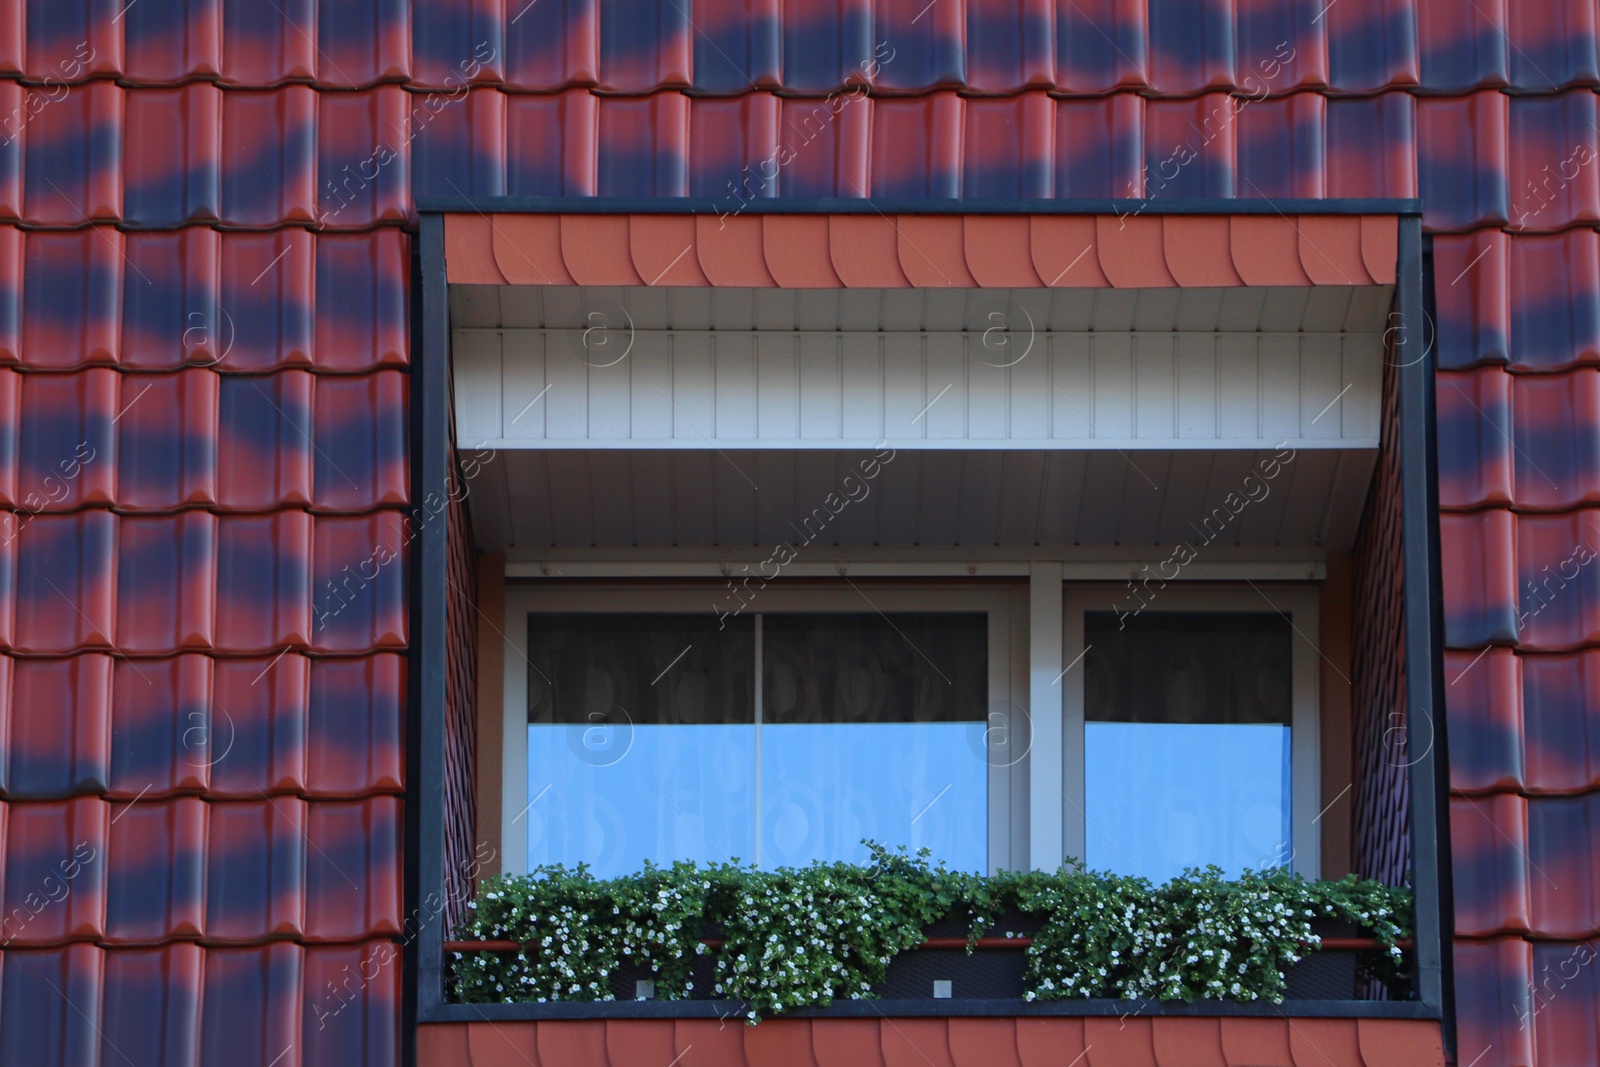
<point x="478" y="385"/>
<point x="1154" y="387"/>
<point x="903" y="386"/>
<point x="655" y="408"/>
<point x="946" y="356"/>
<point x="861" y="377"/>
<point x="1279" y="370"/>
<point x="1112" y="390"/>
<point x="1030" y="391"/>
<point x="735" y="383"/>
<point x="820" y="386"/>
<point x="1359" y="414"/>
<point x="567" y="416"/>
<point x="523" y="398"/>
<point x="1238" y="387"/>
<point x="777" y="383"/>
<point x="1321" y="381"/>
<point x="988" y="391"/>
<point x="700" y="389"/>
<point x="1196" y="378"/>
<point x="693" y="388"/>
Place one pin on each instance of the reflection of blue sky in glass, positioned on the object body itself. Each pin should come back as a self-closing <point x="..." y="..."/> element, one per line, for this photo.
<point x="615" y="796"/>
<point x="1164" y="796"/>
<point x="825" y="786"/>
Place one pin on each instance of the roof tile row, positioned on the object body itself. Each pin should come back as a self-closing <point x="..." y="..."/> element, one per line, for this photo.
<point x="164" y="157"/>
<point x="187" y="1006"/>
<point x="239" y="584"/>
<point x="230" y="728"/>
<point x="722" y="46"/>
<point x="954" y="1042"/>
<point x="1524" y="865"/>
<point x="147" y="870"/>
<point x="155" y="442"/>
<point x="1527" y="579"/>
<point x="1523" y="1003"/>
<point x="1528" y="439"/>
<point x="1529" y="723"/>
<point x="246" y="302"/>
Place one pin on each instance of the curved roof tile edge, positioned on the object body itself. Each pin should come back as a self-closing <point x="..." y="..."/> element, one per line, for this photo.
<point x="904" y="251"/>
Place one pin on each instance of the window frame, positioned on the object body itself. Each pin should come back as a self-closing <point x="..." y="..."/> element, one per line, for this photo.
<point x="1301" y="603"/>
<point x="1007" y="784"/>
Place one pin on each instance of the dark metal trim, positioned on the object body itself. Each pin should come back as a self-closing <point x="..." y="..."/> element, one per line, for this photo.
<point x="873" y="1009"/>
<point x="425" y="723"/>
<point x="423" y="971"/>
<point x="706" y="205"/>
<point x="1424" y="629"/>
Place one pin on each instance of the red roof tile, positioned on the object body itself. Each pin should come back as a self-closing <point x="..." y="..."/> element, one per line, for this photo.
<point x="171" y="155"/>
<point x="1561" y="1000"/>
<point x="58" y="991"/>
<point x="157" y="864"/>
<point x="1472" y="317"/>
<point x="264" y="582"/>
<point x="56" y="869"/>
<point x="1462" y="160"/>
<point x="266" y="307"/>
<point x="1562" y="883"/>
<point x="1485" y="700"/>
<point x="152" y="1004"/>
<point x="1489" y="838"/>
<point x="362" y="42"/>
<point x="1494" y="980"/>
<point x="269" y="147"/>
<point x="1462" y="49"/>
<point x="166" y="733"/>
<point x="1553" y="45"/>
<point x="166" y="582"/>
<point x="251" y="1004"/>
<point x="1553" y="183"/>
<point x="357" y="186"/>
<point x="59" y="712"/>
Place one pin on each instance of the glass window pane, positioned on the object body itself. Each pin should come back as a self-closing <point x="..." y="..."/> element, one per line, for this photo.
<point x="641" y="740"/>
<point x="1186" y="741"/>
<point x="656" y="669"/>
<point x="875" y="668"/>
<point x="615" y="796"/>
<point x="826" y="786"/>
<point x="873" y="727"/>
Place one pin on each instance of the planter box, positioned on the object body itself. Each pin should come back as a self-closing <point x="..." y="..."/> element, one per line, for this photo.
<point x="996" y="974"/>
<point x="986" y="974"/>
<point x="1324" y="975"/>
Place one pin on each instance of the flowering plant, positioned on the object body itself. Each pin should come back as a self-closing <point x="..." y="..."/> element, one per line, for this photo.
<point x="807" y="936"/>
<point x="1198" y="937"/>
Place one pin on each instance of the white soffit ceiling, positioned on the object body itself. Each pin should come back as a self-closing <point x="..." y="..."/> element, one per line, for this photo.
<point x="1143" y="417"/>
<point x="529" y="500"/>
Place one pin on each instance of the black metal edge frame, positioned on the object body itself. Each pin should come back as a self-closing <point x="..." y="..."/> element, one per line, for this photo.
<point x="706" y="205"/>
<point x="733" y="1010"/>
<point x="424" y="868"/>
<point x="422" y="989"/>
<point x="1411" y="331"/>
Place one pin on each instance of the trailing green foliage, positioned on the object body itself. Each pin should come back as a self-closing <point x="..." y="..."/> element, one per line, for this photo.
<point x="810" y="935"/>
